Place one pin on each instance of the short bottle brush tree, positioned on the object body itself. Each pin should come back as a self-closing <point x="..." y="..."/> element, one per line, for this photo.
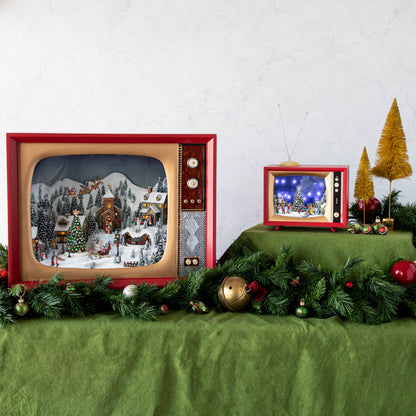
<point x="364" y="187"/>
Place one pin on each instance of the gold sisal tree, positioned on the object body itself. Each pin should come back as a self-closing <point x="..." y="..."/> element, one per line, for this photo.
<point x="364" y="187"/>
<point x="392" y="161"/>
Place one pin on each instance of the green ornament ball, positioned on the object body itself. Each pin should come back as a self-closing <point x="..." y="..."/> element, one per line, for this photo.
<point x="70" y="287"/>
<point x="355" y="228"/>
<point x="366" y="229"/>
<point x="21" y="308"/>
<point x="199" y="307"/>
<point x="301" y="311"/>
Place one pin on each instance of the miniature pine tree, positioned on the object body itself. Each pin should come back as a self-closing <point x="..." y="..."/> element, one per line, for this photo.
<point x="364" y="187"/>
<point x="298" y="202"/>
<point x="392" y="160"/>
<point x="76" y="240"/>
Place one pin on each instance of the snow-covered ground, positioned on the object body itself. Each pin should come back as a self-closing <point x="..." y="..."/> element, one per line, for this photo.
<point x="305" y="214"/>
<point x="128" y="253"/>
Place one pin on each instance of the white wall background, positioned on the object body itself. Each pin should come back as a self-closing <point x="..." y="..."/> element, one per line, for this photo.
<point x="191" y="66"/>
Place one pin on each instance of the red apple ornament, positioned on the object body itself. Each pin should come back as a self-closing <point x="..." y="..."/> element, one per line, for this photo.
<point x="371" y="206"/>
<point x="404" y="272"/>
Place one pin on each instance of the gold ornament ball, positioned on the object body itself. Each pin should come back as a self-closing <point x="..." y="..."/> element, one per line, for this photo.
<point x="233" y="294"/>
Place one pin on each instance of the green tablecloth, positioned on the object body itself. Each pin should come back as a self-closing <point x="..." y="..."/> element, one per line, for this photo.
<point x="330" y="249"/>
<point x="214" y="364"/>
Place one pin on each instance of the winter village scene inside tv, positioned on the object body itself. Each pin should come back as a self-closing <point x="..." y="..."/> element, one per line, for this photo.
<point x="299" y="196"/>
<point x="99" y="211"/>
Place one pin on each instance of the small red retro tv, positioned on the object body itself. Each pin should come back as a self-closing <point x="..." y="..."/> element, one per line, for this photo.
<point x="306" y="196"/>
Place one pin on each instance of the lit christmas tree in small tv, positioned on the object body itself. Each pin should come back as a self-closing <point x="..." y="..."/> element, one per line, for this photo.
<point x="298" y="202"/>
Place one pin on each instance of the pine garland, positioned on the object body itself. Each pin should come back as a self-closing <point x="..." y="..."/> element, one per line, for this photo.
<point x="373" y="298"/>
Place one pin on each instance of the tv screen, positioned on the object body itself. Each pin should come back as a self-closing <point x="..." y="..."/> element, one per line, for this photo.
<point x="92" y="211"/>
<point x="299" y="196"/>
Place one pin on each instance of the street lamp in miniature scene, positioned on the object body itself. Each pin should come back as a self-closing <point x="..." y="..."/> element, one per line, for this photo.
<point x="117" y="241"/>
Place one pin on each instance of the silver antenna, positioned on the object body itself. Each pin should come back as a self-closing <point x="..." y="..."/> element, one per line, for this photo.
<point x="284" y="133"/>
<point x="297" y="137"/>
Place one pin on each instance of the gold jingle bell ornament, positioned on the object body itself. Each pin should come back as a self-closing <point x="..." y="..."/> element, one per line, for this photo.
<point x="234" y="294"/>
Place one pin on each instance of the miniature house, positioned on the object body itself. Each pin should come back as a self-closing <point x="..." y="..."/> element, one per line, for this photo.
<point x="153" y="207"/>
<point x="63" y="224"/>
<point x="108" y="216"/>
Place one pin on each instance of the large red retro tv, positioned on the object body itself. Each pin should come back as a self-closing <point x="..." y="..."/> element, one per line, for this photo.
<point x="306" y="196"/>
<point x="138" y="208"/>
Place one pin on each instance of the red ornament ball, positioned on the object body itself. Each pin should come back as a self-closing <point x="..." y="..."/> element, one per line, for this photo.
<point x="371" y="206"/>
<point x="164" y="309"/>
<point x="404" y="272"/>
<point x="3" y="273"/>
<point x="349" y="284"/>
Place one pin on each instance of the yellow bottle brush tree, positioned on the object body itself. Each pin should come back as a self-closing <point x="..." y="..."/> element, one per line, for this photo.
<point x="392" y="161"/>
<point x="364" y="187"/>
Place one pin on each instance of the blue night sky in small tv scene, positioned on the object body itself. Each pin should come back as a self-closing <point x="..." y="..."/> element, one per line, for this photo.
<point x="141" y="170"/>
<point x="313" y="187"/>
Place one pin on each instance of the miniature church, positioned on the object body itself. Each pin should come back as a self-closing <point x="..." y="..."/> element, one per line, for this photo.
<point x="108" y="216"/>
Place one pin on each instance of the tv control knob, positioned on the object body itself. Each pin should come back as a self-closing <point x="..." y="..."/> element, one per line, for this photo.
<point x="192" y="183"/>
<point x="336" y="185"/>
<point x="188" y="262"/>
<point x="192" y="162"/>
<point x="185" y="201"/>
<point x="336" y="214"/>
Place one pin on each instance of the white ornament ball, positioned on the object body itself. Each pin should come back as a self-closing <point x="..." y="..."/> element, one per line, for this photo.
<point x="129" y="291"/>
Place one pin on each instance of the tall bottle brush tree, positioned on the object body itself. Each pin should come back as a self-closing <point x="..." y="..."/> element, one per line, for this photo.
<point x="392" y="161"/>
<point x="364" y="186"/>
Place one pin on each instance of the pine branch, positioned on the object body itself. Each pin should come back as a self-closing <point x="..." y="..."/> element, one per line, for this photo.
<point x="6" y="308"/>
<point x="273" y="304"/>
<point x="143" y="311"/>
<point x="340" y="303"/>
<point x="339" y="278"/>
<point x="44" y="302"/>
<point x="4" y="257"/>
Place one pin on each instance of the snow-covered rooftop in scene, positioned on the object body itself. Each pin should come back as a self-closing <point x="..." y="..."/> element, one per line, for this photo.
<point x="68" y="219"/>
<point x="108" y="194"/>
<point x="155" y="197"/>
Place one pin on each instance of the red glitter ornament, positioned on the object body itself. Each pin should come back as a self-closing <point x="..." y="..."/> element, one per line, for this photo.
<point x="404" y="272"/>
<point x="370" y="207"/>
